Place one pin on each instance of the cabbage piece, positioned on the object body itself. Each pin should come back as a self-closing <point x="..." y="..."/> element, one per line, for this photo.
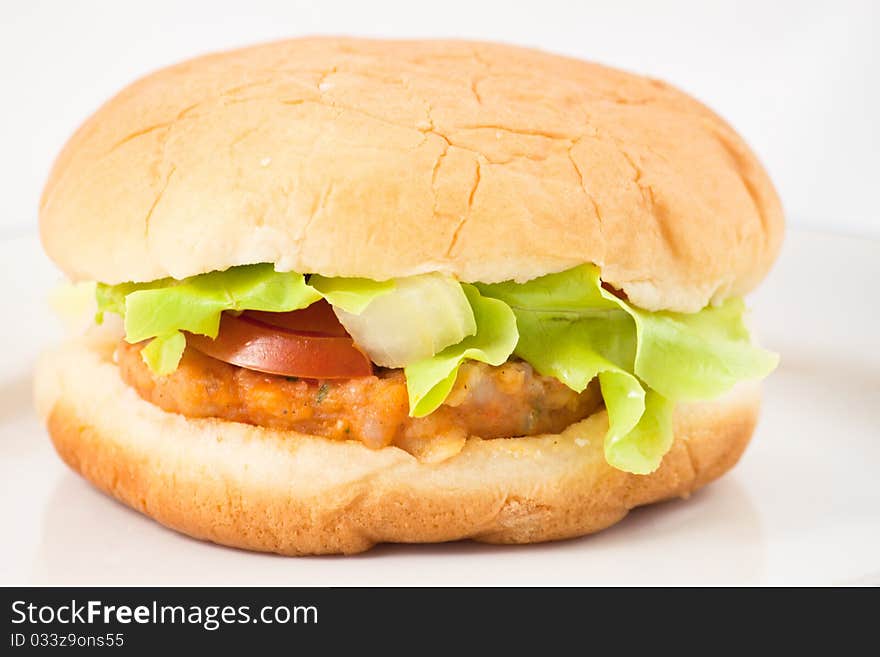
<point x="429" y="381"/>
<point x="415" y="319"/>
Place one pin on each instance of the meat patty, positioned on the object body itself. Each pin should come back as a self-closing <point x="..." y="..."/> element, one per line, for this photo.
<point x="488" y="402"/>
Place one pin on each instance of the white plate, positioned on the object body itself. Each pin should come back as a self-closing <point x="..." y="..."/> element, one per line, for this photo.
<point x="803" y="506"/>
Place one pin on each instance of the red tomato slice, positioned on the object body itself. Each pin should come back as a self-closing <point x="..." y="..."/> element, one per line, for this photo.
<point x="318" y="318"/>
<point x="248" y="342"/>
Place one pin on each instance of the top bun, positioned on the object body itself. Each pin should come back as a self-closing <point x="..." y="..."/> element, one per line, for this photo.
<point x="379" y="159"/>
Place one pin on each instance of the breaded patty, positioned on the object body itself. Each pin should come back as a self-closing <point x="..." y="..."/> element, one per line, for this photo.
<point x="488" y="402"/>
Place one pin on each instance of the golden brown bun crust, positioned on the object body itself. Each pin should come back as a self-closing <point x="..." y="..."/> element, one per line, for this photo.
<point x="351" y="157"/>
<point x="276" y="491"/>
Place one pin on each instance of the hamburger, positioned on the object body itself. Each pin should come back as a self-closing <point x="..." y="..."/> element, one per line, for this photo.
<point x="357" y="291"/>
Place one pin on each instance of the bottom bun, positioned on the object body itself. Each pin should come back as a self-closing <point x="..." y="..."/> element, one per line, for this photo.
<point x="285" y="492"/>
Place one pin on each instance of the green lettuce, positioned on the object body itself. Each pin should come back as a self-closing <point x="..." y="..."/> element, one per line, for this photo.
<point x="163" y="354"/>
<point x="571" y="328"/>
<point x="352" y="295"/>
<point x="429" y="381"/>
<point x="162" y="309"/>
<point x="699" y="355"/>
<point x="111" y="298"/>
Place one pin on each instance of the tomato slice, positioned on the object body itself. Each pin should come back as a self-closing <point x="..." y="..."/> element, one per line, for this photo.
<point x="250" y="342"/>
<point x="318" y="318"/>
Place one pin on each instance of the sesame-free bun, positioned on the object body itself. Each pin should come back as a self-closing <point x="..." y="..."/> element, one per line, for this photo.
<point x="290" y="493"/>
<point x="379" y="159"/>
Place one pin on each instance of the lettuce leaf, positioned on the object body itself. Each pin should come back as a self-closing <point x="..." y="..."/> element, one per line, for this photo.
<point x="164" y="352"/>
<point x="111" y="298"/>
<point x="162" y="309"/>
<point x="430" y="381"/>
<point x="352" y="295"/>
<point x="573" y="329"/>
<point x="641" y="449"/>
<point x="696" y="356"/>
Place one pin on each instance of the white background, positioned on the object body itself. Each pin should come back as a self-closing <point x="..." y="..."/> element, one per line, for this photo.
<point x="800" y="80"/>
